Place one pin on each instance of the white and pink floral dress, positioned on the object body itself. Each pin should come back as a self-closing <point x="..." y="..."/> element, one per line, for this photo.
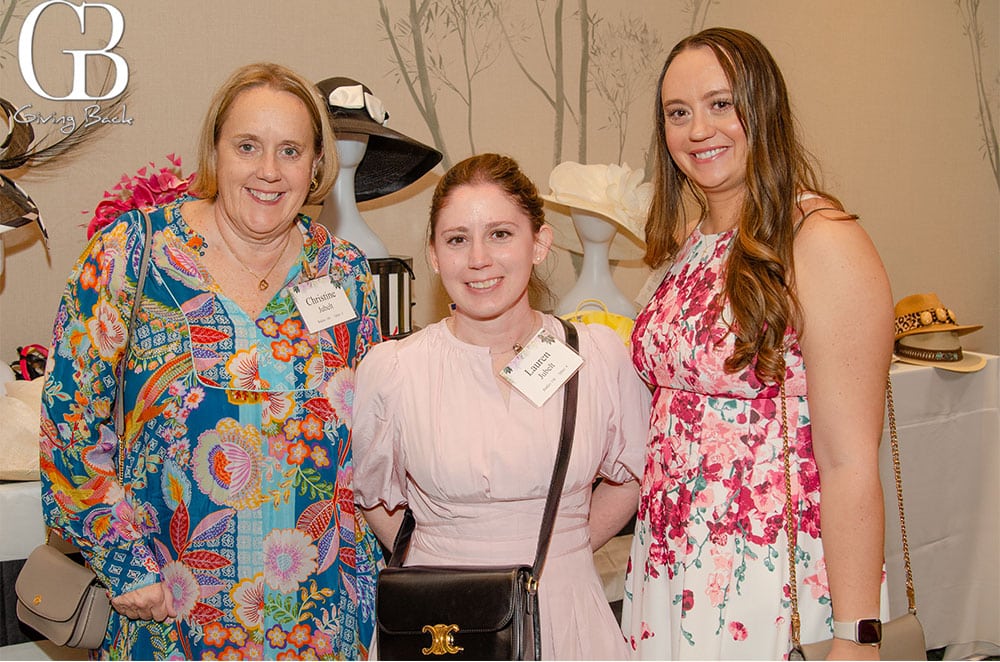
<point x="707" y="578"/>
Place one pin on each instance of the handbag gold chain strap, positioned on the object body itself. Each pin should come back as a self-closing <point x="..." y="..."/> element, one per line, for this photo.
<point x="791" y="531"/>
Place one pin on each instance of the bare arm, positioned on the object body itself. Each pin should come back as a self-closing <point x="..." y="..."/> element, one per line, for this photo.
<point x="383" y="523"/>
<point x="611" y="506"/>
<point x="846" y="341"/>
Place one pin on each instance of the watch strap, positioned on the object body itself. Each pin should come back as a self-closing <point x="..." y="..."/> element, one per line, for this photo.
<point x="862" y="631"/>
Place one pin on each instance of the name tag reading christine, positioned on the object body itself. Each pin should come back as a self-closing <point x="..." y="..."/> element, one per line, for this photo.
<point x="322" y="304"/>
<point x="542" y="367"/>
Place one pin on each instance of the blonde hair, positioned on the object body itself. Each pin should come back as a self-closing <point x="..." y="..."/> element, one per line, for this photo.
<point x="283" y="79"/>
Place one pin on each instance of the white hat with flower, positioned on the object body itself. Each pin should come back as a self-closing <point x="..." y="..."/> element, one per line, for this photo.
<point x="613" y="191"/>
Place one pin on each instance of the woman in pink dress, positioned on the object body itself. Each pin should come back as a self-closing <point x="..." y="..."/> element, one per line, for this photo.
<point x="772" y="283"/>
<point x="436" y="427"/>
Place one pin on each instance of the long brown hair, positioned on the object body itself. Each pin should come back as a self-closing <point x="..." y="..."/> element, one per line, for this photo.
<point x="759" y="269"/>
<point x="505" y="173"/>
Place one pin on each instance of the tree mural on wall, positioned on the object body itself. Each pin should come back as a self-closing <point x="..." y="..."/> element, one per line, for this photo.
<point x="622" y="52"/>
<point x="611" y="60"/>
<point x="519" y="32"/>
<point x="970" y="17"/>
<point x="6" y="41"/>
<point x="423" y="46"/>
<point x="406" y="38"/>
<point x="699" y="13"/>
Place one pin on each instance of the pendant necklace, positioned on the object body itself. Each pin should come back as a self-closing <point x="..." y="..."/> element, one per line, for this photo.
<point x="517" y="347"/>
<point x="262" y="283"/>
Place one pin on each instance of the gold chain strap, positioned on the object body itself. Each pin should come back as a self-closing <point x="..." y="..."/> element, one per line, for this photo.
<point x="791" y="531"/>
<point x="911" y="596"/>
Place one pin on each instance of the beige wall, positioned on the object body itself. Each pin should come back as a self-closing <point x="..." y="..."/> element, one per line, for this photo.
<point x="885" y="91"/>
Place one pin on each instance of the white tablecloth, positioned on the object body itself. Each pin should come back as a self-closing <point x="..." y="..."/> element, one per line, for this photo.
<point x="20" y="519"/>
<point x="949" y="438"/>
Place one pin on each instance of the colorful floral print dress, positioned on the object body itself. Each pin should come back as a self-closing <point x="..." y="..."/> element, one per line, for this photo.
<point x="238" y="487"/>
<point x="708" y="574"/>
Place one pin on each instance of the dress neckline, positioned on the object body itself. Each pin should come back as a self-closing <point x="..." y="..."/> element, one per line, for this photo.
<point x="483" y="350"/>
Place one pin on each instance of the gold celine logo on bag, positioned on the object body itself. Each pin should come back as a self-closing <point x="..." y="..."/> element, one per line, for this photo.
<point x="442" y="640"/>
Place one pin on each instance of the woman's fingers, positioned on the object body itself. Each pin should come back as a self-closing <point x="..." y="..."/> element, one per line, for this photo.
<point x="149" y="603"/>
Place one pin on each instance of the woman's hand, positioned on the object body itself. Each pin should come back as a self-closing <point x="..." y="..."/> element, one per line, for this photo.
<point x="149" y="603"/>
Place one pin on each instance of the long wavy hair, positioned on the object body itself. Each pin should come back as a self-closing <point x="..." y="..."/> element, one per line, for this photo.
<point x="505" y="173"/>
<point x="759" y="270"/>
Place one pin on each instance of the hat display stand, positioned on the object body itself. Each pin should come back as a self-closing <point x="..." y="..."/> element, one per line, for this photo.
<point x="374" y="161"/>
<point x="392" y="275"/>
<point x="340" y="209"/>
<point x="595" y="282"/>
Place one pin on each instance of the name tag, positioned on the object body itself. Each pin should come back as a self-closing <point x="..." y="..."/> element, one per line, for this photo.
<point x="542" y="367"/>
<point x="322" y="304"/>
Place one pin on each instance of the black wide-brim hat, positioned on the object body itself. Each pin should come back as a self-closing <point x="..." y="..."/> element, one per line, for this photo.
<point x="392" y="161"/>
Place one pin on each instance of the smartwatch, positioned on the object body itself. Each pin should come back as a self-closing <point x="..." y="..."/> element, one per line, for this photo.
<point x="867" y="631"/>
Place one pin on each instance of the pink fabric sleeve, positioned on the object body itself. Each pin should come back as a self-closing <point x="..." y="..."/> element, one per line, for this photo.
<point x="628" y="420"/>
<point x="379" y="462"/>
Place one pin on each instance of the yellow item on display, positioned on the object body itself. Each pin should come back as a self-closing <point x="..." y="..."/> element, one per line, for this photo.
<point x="621" y="324"/>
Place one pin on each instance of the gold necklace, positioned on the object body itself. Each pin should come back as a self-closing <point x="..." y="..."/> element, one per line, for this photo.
<point x="262" y="283"/>
<point x="518" y="347"/>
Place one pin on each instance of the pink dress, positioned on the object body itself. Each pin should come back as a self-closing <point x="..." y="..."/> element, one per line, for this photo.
<point x="708" y="575"/>
<point x="432" y="429"/>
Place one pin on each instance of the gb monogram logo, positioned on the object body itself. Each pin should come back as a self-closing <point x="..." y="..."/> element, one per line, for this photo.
<point x="26" y="62"/>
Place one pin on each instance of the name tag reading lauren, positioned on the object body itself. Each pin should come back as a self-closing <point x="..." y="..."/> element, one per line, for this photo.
<point x="322" y="304"/>
<point x="542" y="367"/>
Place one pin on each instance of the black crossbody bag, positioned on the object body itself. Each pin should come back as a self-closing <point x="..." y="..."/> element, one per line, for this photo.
<point x="475" y="613"/>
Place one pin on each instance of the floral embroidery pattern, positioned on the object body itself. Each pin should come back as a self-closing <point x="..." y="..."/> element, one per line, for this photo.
<point x="238" y="490"/>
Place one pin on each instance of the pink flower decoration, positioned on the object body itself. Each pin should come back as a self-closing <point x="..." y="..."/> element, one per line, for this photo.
<point x="183" y="587"/>
<point x="738" y="631"/>
<point x="141" y="191"/>
<point x="289" y="558"/>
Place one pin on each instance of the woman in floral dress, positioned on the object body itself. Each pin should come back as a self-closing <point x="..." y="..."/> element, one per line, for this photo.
<point x="233" y="534"/>
<point x="773" y="283"/>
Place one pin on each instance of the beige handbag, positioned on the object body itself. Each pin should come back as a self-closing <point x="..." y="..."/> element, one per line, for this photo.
<point x="62" y="599"/>
<point x="903" y="637"/>
<point x="56" y="596"/>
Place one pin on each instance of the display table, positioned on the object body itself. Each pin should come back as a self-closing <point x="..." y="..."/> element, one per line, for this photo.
<point x="949" y="438"/>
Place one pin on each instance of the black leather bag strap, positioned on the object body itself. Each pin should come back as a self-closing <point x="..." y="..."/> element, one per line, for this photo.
<point x="140" y="281"/>
<point x="402" y="542"/>
<point x="562" y="458"/>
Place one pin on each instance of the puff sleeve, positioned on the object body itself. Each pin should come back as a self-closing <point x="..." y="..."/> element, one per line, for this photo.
<point x="627" y="419"/>
<point x="379" y="460"/>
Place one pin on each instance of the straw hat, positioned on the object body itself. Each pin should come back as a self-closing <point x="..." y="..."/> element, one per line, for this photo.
<point x="924" y="313"/>
<point x="392" y="161"/>
<point x="927" y="334"/>
<point x="615" y="192"/>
